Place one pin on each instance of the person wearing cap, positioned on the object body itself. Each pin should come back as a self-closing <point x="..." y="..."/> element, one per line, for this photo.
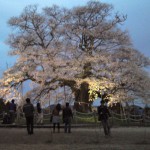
<point x="28" y="110"/>
<point x="103" y="115"/>
<point x="67" y="117"/>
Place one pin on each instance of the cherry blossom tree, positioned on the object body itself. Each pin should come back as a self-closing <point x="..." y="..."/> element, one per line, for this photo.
<point x="82" y="48"/>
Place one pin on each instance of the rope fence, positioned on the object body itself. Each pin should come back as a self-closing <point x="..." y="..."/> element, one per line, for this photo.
<point x="90" y="117"/>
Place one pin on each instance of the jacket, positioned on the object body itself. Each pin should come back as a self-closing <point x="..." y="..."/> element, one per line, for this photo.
<point x="28" y="109"/>
<point x="103" y="113"/>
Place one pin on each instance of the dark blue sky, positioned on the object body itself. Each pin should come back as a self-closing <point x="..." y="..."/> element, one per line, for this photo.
<point x="137" y="23"/>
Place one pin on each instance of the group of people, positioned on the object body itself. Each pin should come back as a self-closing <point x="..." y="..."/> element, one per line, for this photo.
<point x="67" y="114"/>
<point x="9" y="112"/>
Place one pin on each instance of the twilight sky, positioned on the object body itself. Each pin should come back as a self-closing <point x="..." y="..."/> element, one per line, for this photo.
<point x="137" y="23"/>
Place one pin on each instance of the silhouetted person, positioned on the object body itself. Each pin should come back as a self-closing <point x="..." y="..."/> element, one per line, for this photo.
<point x="12" y="111"/>
<point x="67" y="117"/>
<point x="104" y="114"/>
<point x="28" y="109"/>
<point x="39" y="114"/>
<point x="56" y="117"/>
<point x="2" y="106"/>
<point x="7" y="107"/>
<point x="6" y="114"/>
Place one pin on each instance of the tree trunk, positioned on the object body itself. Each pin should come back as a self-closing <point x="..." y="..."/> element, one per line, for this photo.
<point x="82" y="98"/>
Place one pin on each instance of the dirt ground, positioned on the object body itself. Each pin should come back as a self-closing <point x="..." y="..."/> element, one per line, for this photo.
<point x="127" y="138"/>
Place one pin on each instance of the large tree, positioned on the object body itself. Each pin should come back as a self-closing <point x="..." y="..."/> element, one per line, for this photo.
<point x="83" y="48"/>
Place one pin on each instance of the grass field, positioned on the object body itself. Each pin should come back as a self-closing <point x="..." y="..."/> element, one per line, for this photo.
<point x="127" y="138"/>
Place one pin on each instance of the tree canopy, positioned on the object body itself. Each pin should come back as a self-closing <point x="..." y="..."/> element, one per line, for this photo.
<point x="59" y="47"/>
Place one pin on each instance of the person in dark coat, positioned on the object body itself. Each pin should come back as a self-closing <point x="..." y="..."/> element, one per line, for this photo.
<point x="6" y="114"/>
<point x="28" y="110"/>
<point x="67" y="117"/>
<point x="103" y="115"/>
<point x="39" y="114"/>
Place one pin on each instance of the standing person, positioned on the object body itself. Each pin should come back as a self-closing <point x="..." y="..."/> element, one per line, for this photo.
<point x="103" y="115"/>
<point x="39" y="114"/>
<point x="28" y="109"/>
<point x="67" y="117"/>
<point x="56" y="117"/>
<point x="12" y="111"/>
<point x="6" y="116"/>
